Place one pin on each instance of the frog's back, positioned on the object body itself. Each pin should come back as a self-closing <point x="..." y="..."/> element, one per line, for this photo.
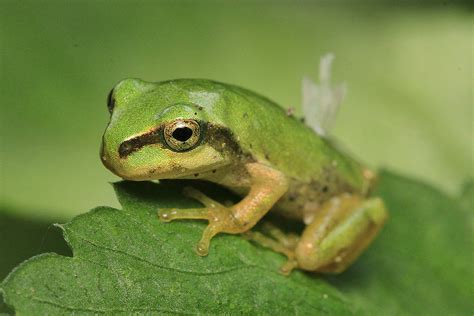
<point x="271" y="135"/>
<point x="316" y="169"/>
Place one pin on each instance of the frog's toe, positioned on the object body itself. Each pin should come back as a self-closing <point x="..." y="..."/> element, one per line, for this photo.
<point x="289" y="266"/>
<point x="170" y="214"/>
<point x="201" y="197"/>
<point x="202" y="248"/>
<point x="166" y="214"/>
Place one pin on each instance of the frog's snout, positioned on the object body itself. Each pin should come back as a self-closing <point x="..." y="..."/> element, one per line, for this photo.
<point x="106" y="161"/>
<point x="120" y="166"/>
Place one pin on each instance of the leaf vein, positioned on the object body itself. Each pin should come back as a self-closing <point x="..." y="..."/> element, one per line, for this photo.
<point x="106" y="310"/>
<point x="138" y="258"/>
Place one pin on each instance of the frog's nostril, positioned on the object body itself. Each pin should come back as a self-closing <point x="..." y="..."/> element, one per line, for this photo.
<point x="126" y="148"/>
<point x="111" y="101"/>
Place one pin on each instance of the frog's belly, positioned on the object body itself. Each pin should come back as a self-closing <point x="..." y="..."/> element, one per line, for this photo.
<point x="303" y="200"/>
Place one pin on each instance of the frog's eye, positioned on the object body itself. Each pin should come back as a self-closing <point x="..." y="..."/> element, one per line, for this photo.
<point x="182" y="135"/>
<point x="111" y="101"/>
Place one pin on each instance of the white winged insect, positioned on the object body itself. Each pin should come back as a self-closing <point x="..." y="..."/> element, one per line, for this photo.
<point x="321" y="102"/>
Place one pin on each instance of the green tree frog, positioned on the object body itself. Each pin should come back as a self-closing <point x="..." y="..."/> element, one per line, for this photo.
<point x="207" y="130"/>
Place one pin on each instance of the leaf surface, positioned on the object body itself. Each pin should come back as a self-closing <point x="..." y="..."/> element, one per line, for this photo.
<point x="127" y="261"/>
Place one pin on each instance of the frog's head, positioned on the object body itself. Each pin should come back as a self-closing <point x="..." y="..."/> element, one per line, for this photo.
<point x="163" y="130"/>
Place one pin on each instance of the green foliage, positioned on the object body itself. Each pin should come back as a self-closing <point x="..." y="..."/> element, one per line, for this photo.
<point x="127" y="261"/>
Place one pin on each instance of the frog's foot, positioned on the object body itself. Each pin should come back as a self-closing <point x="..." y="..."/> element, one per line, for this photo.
<point x="340" y="231"/>
<point x="220" y="217"/>
<point x="277" y="241"/>
<point x="170" y="214"/>
<point x="267" y="186"/>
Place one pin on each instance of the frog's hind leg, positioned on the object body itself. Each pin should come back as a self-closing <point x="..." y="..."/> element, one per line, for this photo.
<point x="340" y="231"/>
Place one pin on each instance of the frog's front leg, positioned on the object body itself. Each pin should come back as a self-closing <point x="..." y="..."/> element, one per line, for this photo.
<point x="267" y="186"/>
<point x="338" y="234"/>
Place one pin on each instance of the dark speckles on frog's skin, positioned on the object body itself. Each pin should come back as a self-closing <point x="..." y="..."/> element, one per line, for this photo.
<point x="330" y="184"/>
<point x="291" y="197"/>
<point x="317" y="191"/>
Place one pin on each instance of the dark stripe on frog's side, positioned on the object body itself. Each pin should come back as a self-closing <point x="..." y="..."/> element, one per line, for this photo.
<point x="154" y="136"/>
<point x="218" y="137"/>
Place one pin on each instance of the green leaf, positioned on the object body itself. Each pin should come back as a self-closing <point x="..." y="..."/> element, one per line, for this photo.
<point x="127" y="261"/>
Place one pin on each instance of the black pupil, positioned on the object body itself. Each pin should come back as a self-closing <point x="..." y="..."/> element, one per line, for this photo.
<point x="182" y="134"/>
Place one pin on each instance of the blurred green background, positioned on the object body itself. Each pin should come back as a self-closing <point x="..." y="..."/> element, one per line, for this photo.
<point x="408" y="69"/>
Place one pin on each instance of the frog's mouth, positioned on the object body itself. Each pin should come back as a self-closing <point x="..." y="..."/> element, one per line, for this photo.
<point x="152" y="173"/>
<point x="185" y="167"/>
